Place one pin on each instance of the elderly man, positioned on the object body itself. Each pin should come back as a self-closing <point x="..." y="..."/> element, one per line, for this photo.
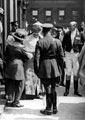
<point x="71" y="45"/>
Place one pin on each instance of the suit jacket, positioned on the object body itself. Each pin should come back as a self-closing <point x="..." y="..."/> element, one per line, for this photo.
<point x="67" y="44"/>
<point x="47" y="54"/>
<point x="15" y="57"/>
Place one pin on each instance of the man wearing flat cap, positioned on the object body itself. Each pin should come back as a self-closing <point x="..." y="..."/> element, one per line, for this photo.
<point x="46" y="67"/>
<point x="72" y="46"/>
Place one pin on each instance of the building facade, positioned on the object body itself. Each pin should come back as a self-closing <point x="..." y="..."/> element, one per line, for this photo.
<point x="60" y="12"/>
<point x="12" y="12"/>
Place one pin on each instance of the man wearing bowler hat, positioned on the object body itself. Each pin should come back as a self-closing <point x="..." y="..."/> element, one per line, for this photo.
<point x="47" y="52"/>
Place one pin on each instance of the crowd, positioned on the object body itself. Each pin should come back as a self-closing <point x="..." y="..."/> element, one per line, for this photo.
<point x="38" y="61"/>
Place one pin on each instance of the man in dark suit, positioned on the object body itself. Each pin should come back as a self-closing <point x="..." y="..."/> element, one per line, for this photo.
<point x="72" y="46"/>
<point x="47" y="53"/>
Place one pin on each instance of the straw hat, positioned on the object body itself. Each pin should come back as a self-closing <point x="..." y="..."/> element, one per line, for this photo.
<point x="20" y="34"/>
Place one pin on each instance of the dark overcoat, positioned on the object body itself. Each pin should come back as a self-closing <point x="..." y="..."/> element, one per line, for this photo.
<point x="15" y="57"/>
<point x="47" y="54"/>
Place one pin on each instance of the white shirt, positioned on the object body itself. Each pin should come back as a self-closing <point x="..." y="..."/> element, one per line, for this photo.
<point x="73" y="34"/>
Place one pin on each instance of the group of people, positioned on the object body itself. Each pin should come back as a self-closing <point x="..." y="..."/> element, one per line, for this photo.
<point x="43" y="59"/>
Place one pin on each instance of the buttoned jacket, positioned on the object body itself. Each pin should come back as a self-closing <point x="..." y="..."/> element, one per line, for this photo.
<point x="67" y="42"/>
<point x="48" y="52"/>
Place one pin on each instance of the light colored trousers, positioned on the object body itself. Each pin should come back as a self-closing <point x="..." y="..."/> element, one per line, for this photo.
<point x="72" y="64"/>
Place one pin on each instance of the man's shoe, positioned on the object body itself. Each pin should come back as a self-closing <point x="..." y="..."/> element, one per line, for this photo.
<point x="17" y="105"/>
<point x="55" y="111"/>
<point x="62" y="84"/>
<point x="78" y="94"/>
<point x="66" y="93"/>
<point x="46" y="112"/>
<point x="8" y="104"/>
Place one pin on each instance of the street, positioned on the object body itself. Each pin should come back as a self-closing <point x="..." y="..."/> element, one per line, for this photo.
<point x="69" y="108"/>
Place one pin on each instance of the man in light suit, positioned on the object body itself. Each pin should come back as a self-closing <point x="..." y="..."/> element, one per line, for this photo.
<point x="72" y="46"/>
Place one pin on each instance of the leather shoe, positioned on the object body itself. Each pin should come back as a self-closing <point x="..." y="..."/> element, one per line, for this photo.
<point x="66" y="93"/>
<point x="55" y="111"/>
<point x="46" y="112"/>
<point x="78" y="94"/>
<point x="62" y="84"/>
<point x="17" y="105"/>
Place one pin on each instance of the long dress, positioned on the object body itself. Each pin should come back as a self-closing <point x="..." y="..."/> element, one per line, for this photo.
<point x="32" y="82"/>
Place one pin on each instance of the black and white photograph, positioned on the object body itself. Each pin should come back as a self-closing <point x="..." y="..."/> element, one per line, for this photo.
<point x="42" y="59"/>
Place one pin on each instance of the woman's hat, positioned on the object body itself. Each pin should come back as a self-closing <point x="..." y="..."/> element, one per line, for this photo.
<point x="20" y="34"/>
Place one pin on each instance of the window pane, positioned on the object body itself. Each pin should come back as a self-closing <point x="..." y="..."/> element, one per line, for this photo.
<point x="75" y="13"/>
<point x="61" y="12"/>
<point x="48" y="13"/>
<point x="34" y="12"/>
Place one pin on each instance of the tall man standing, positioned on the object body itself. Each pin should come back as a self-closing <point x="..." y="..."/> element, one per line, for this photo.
<point x="48" y="52"/>
<point x="72" y="46"/>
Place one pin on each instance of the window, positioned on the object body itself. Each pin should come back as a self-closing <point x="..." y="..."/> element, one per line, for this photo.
<point x="35" y="14"/>
<point x="61" y="15"/>
<point x="75" y="14"/>
<point x="48" y="15"/>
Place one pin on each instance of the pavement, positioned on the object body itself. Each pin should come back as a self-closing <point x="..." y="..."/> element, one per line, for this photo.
<point x="2" y="100"/>
<point x="69" y="108"/>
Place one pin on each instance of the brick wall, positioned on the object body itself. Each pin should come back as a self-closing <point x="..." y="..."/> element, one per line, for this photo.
<point x="55" y="5"/>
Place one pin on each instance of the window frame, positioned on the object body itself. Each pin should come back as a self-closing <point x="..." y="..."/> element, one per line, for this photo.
<point x="75" y="17"/>
<point x="34" y="16"/>
<point x="48" y="16"/>
<point x="64" y="18"/>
